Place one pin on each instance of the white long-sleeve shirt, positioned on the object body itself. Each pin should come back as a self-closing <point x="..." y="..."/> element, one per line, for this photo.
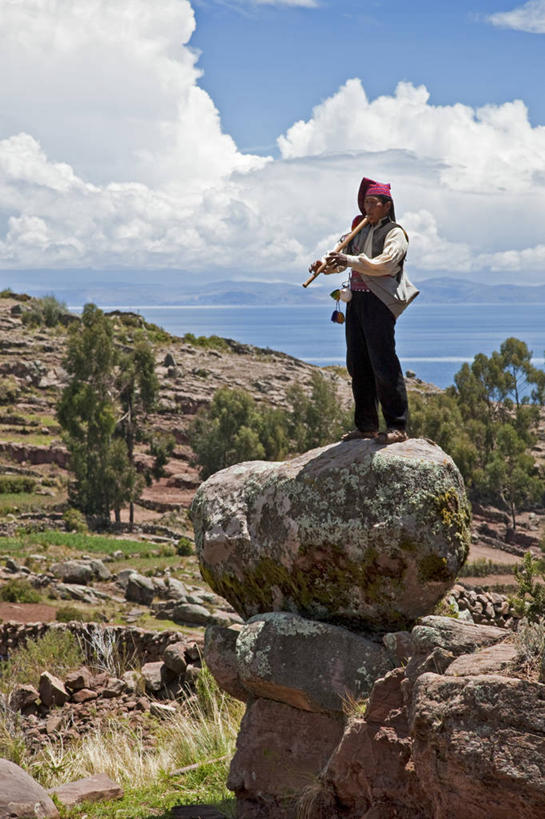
<point x="387" y="263"/>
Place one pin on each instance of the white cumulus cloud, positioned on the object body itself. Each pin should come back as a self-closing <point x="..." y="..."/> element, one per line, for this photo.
<point x="492" y="147"/>
<point x="111" y="88"/>
<point x="112" y="156"/>
<point x="529" y="17"/>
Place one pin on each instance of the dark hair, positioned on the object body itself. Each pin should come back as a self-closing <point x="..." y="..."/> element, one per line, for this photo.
<point x="385" y="199"/>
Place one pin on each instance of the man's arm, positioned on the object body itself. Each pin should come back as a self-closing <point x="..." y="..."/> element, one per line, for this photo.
<point x="386" y="263"/>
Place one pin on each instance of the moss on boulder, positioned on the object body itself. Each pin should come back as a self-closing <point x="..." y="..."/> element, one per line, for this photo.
<point x="355" y="533"/>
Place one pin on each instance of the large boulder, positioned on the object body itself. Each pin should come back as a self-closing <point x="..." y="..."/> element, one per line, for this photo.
<point x="74" y="571"/>
<point x="478" y="747"/>
<point x="355" y="533"/>
<point x="21" y="796"/>
<point x="308" y="665"/>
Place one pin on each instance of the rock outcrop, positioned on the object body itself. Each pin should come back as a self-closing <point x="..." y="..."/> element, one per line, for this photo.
<point x="357" y="534"/>
<point x="453" y="733"/>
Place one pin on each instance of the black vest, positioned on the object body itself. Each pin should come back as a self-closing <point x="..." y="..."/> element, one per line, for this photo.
<point x="379" y="237"/>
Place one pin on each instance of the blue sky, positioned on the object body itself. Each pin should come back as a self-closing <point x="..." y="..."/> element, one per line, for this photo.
<point x="228" y="137"/>
<point x="281" y="61"/>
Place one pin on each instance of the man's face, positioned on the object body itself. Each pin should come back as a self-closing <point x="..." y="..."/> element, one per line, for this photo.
<point x="375" y="209"/>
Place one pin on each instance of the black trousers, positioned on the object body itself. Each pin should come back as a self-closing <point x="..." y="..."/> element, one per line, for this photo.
<point x="373" y="365"/>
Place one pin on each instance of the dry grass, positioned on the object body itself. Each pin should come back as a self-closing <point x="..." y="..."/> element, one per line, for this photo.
<point x="529" y="640"/>
<point x="205" y="729"/>
<point x="316" y="801"/>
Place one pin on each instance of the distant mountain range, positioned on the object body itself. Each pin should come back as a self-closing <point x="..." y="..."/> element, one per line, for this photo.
<point x="155" y="288"/>
<point x="450" y="290"/>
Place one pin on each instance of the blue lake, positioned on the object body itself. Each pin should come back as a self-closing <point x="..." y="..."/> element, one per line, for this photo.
<point x="432" y="339"/>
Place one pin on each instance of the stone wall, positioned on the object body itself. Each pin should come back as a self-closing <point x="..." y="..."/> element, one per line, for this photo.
<point x="146" y="646"/>
<point x="486" y="608"/>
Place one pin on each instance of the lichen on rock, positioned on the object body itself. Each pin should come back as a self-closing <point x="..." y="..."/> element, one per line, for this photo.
<point x="355" y="534"/>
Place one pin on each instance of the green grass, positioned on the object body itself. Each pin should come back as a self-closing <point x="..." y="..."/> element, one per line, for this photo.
<point x="16" y="484"/>
<point x="31" y="439"/>
<point x="28" y="418"/>
<point x="80" y="542"/>
<point x="146" y="564"/>
<point x="206" y="786"/>
<point x="14" y="502"/>
<point x="483" y="567"/>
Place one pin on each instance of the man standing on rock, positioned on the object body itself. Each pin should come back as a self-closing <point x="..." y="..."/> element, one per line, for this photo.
<point x="380" y="292"/>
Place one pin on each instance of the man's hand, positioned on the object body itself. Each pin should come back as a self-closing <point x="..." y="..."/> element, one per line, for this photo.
<point x="334" y="259"/>
<point x="314" y="266"/>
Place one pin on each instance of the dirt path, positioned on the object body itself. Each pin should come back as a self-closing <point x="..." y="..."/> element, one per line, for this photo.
<point x="477" y="551"/>
<point x="27" y="612"/>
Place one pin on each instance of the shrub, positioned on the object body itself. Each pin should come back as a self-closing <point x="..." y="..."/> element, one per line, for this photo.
<point x="65" y="614"/>
<point x="166" y="550"/>
<point x="8" y="390"/>
<point x="47" y="311"/>
<point x="74" y="520"/>
<point x="19" y="591"/>
<point x="208" y="342"/>
<point x="530" y="645"/>
<point x="529" y="601"/>
<point x="185" y="547"/>
<point x="13" y="484"/>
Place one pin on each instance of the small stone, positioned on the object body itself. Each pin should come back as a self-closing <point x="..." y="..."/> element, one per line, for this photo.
<point x="52" y="690"/>
<point x="52" y="724"/>
<point x="84" y="695"/>
<point x="133" y="680"/>
<point x="155" y="676"/>
<point x="114" y="688"/>
<point x="23" y="697"/>
<point x="79" y="679"/>
<point x="91" y="789"/>
<point x="162" y="711"/>
<point x="193" y="652"/>
<point x="174" y="658"/>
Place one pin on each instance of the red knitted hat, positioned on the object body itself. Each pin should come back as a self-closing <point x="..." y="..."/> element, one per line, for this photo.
<point x="369" y="187"/>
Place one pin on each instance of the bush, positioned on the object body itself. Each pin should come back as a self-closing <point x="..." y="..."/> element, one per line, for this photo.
<point x="8" y="390"/>
<point x="530" y="645"/>
<point x="65" y="614"/>
<point x="19" y="591"/>
<point x="529" y="601"/>
<point x="13" y="484"/>
<point x="74" y="520"/>
<point x="185" y="547"/>
<point x="207" y="342"/>
<point x="166" y="550"/>
<point x="47" y="311"/>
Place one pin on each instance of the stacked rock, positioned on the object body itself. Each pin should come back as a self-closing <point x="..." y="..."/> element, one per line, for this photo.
<point x="322" y="555"/>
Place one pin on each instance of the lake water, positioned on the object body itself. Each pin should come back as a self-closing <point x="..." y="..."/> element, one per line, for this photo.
<point x="433" y="340"/>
